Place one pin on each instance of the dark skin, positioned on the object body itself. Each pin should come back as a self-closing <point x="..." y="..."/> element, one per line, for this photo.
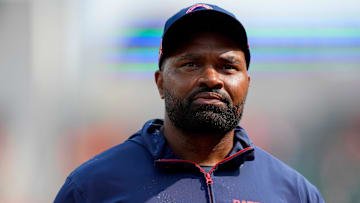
<point x="207" y="59"/>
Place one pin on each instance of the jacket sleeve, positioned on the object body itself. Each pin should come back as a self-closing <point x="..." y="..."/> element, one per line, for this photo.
<point x="69" y="193"/>
<point x="309" y="193"/>
<point x="316" y="197"/>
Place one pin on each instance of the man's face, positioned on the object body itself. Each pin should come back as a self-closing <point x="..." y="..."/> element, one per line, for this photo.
<point x="204" y="84"/>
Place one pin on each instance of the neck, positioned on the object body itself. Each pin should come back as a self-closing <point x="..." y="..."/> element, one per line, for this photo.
<point x="203" y="149"/>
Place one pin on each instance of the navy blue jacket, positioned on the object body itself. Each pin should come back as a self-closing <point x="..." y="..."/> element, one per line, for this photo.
<point x="144" y="169"/>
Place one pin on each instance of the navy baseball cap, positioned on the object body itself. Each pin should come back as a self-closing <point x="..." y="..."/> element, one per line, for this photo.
<point x="199" y="18"/>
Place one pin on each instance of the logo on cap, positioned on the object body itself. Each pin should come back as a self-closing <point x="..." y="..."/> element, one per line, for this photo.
<point x="194" y="7"/>
<point x="160" y="49"/>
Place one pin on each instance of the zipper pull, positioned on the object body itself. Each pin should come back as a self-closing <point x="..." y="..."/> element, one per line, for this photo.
<point x="208" y="179"/>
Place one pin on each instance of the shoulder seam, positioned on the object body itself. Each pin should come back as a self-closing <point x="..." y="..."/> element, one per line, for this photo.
<point x="77" y="187"/>
<point x="300" y="196"/>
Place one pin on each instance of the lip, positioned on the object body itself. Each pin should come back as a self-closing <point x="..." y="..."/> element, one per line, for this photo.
<point x="208" y="98"/>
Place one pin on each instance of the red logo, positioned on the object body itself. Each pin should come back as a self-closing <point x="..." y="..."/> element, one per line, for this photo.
<point x="198" y="6"/>
<point x="160" y="49"/>
<point x="243" y="201"/>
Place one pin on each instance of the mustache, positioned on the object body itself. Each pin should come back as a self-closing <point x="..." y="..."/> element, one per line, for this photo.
<point x="224" y="97"/>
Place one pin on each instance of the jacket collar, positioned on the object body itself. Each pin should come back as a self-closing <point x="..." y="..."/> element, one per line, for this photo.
<point x="151" y="138"/>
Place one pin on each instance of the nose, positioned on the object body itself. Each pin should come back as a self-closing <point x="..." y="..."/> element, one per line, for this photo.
<point x="210" y="78"/>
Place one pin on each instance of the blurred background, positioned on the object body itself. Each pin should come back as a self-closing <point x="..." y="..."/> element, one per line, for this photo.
<point x="76" y="77"/>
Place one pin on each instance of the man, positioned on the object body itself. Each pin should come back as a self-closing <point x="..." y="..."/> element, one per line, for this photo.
<point x="198" y="153"/>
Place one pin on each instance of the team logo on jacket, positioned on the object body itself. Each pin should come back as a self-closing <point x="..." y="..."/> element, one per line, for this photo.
<point x="243" y="201"/>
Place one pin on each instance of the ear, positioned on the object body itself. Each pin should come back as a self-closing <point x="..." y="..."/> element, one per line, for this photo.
<point x="159" y="82"/>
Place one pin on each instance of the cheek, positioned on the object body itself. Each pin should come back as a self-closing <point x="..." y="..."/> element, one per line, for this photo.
<point x="178" y="83"/>
<point x="237" y="88"/>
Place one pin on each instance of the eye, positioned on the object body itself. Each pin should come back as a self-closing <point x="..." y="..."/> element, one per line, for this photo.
<point x="189" y="64"/>
<point x="229" y="67"/>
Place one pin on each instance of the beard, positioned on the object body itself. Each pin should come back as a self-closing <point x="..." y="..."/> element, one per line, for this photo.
<point x="204" y="118"/>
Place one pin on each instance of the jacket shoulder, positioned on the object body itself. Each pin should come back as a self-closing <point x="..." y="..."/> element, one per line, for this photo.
<point x="282" y="174"/>
<point x="113" y="160"/>
<point x="115" y="163"/>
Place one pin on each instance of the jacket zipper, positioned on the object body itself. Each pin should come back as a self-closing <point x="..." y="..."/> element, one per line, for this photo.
<point x="209" y="182"/>
<point x="208" y="179"/>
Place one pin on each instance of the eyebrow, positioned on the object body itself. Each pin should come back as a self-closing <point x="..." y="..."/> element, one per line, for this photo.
<point x="225" y="59"/>
<point x="189" y="56"/>
<point x="231" y="59"/>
